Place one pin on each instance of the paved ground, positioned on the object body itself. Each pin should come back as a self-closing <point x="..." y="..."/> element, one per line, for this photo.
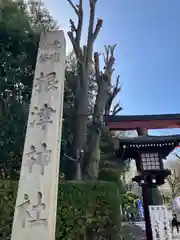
<point x="141" y="225"/>
<point x="137" y="231"/>
<point x="176" y="236"/>
<point x="133" y="231"/>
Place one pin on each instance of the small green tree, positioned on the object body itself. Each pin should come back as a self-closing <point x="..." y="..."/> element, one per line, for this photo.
<point x="172" y="188"/>
<point x="129" y="202"/>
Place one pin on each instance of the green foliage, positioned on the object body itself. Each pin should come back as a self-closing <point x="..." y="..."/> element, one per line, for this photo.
<point x="8" y="191"/>
<point x="111" y="166"/>
<point x="20" y="27"/>
<point x="17" y="57"/>
<point x="108" y="157"/>
<point x="129" y="201"/>
<point x="87" y="210"/>
<point x="18" y="50"/>
<point x="111" y="175"/>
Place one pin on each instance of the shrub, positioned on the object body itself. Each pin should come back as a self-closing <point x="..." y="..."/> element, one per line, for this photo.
<point x="8" y="190"/>
<point x="88" y="210"/>
<point x="85" y="210"/>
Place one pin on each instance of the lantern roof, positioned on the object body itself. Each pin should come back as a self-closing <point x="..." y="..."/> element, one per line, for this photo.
<point x="131" y="145"/>
<point x="149" y="141"/>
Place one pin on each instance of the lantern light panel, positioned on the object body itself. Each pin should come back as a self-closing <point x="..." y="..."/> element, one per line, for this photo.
<point x="150" y="161"/>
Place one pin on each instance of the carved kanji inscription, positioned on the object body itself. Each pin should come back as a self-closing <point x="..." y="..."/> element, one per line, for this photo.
<point x="41" y="158"/>
<point x="38" y="208"/>
<point x="46" y="82"/>
<point x="57" y="44"/>
<point x="49" y="43"/>
<point x="51" y="57"/>
<point x="32" y="158"/>
<point x="24" y="210"/>
<point x="42" y="116"/>
<point x="45" y="116"/>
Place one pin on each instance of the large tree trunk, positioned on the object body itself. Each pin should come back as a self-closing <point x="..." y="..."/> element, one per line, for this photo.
<point x="80" y="128"/>
<point x="94" y="143"/>
<point x="102" y="98"/>
<point x="84" y="59"/>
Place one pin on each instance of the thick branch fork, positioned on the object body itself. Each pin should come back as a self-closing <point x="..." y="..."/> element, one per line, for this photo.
<point x="84" y="56"/>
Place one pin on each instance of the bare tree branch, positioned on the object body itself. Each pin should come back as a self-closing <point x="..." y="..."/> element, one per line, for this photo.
<point x="73" y="28"/>
<point x="117" y="81"/>
<point x="109" y="60"/>
<point x="97" y="67"/>
<point x="92" y="34"/>
<point x="75" y="40"/>
<point x="117" y="88"/>
<point x="173" y="180"/>
<point x="73" y="6"/>
<point x="80" y="23"/>
<point x="97" y="29"/>
<point x="113" y="94"/>
<point x="117" y="108"/>
<point x="76" y="48"/>
<point x="177" y="155"/>
<point x="92" y="4"/>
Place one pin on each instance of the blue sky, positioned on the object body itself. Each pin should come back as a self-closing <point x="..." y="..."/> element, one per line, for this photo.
<point x="147" y="35"/>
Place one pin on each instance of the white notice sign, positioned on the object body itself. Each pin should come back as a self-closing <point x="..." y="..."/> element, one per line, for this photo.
<point x="160" y="223"/>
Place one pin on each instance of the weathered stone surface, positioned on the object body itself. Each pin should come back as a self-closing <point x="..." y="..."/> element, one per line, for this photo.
<point x="35" y="211"/>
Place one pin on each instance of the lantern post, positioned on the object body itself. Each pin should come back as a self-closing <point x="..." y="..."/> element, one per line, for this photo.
<point x="148" y="152"/>
<point x="151" y="174"/>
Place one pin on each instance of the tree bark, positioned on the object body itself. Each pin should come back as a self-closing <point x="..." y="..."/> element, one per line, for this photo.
<point x="84" y="59"/>
<point x="80" y="127"/>
<point x="94" y="143"/>
<point x="102" y="98"/>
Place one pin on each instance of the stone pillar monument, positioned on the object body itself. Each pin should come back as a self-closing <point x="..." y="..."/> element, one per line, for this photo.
<point x="35" y="210"/>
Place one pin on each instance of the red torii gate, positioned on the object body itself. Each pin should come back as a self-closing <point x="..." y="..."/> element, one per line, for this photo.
<point x="135" y="122"/>
<point x="142" y="123"/>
